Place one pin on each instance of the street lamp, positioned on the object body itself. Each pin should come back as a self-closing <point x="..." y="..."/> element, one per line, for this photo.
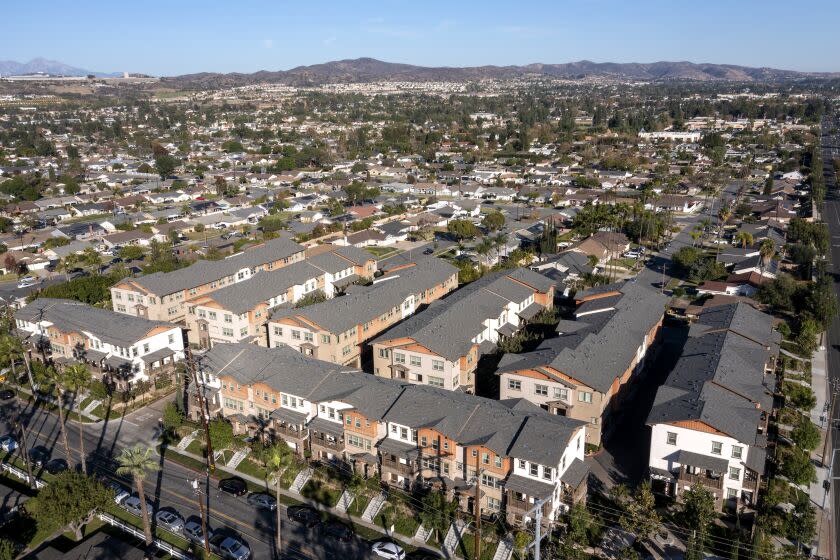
<point x="198" y="494"/>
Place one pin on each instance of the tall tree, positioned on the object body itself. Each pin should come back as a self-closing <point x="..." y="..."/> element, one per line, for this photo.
<point x="639" y="516"/>
<point x="279" y="459"/>
<point x="70" y="501"/>
<point x="698" y="511"/>
<point x="136" y="462"/>
<point x="10" y="351"/>
<point x="744" y="238"/>
<point x="77" y="379"/>
<point x="54" y="376"/>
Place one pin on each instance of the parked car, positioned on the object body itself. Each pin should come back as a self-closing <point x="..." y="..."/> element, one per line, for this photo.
<point x="229" y="548"/>
<point x="27" y="281"/>
<point x="56" y="466"/>
<point x="39" y="455"/>
<point x="170" y="521"/>
<point x="234" y="486"/>
<point x="261" y="500"/>
<point x="120" y="491"/>
<point x="338" y="531"/>
<point x="387" y="549"/>
<point x="194" y="532"/>
<point x="305" y="515"/>
<point x="429" y="251"/>
<point x="8" y="444"/>
<point x="132" y="505"/>
<point x="420" y="554"/>
<point x="6" y="394"/>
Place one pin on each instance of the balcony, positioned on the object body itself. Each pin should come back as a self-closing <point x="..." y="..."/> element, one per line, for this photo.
<point x="714" y="481"/>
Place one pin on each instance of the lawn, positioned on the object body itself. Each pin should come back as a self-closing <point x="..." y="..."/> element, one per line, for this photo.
<point x="467" y="548"/>
<point x="358" y="506"/>
<point x="380" y="252"/>
<point x="400" y="516"/>
<point x="321" y="492"/>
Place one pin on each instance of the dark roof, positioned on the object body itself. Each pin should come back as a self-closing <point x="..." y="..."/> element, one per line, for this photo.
<point x="529" y="487"/>
<point x="715" y="464"/>
<point x="575" y="473"/>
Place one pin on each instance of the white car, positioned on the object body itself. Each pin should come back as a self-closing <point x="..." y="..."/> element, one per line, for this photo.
<point x="8" y="444"/>
<point x="132" y="505"/>
<point x="385" y="549"/>
<point x="170" y="521"/>
<point x="27" y="281"/>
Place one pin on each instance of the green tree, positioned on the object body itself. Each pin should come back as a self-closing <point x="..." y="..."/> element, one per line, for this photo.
<point x="11" y="350"/>
<point x="797" y="466"/>
<point x="221" y="434"/>
<point x="807" y="338"/>
<point x="639" y="516"/>
<point x="70" y="500"/>
<point x="744" y="238"/>
<point x="462" y="229"/>
<point x="7" y="550"/>
<point x="805" y="434"/>
<point x="311" y="298"/>
<point x="574" y="544"/>
<point x="437" y="513"/>
<point x="173" y="417"/>
<point x="51" y="375"/>
<point x="136" y="462"/>
<point x="698" y="512"/>
<point x="802" y="523"/>
<point x="131" y="252"/>
<point x="165" y="165"/>
<point x="279" y="459"/>
<point x="493" y="221"/>
<point x="821" y="302"/>
<point x="77" y="379"/>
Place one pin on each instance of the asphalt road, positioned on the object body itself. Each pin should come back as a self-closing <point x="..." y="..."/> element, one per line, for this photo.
<point x="831" y="215"/>
<point x="9" y="291"/>
<point x="170" y="487"/>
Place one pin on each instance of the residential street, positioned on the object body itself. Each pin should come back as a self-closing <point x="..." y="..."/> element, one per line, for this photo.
<point x="171" y="487"/>
<point x="831" y="215"/>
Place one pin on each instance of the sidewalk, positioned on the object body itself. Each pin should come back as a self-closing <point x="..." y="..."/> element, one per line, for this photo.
<point x="816" y="490"/>
<point x="320" y="507"/>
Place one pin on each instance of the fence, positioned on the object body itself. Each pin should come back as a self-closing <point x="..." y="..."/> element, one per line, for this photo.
<point x="14" y="471"/>
<point x="134" y="531"/>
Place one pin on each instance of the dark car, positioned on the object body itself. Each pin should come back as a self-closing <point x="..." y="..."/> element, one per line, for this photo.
<point x="338" y="531"/>
<point x="234" y="486"/>
<point x="6" y="394"/>
<point x="261" y="500"/>
<point x="429" y="251"/>
<point x="39" y="455"/>
<point x="305" y="515"/>
<point x="56" y="466"/>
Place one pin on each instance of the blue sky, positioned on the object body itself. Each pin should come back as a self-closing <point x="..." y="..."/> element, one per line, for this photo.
<point x="168" y="37"/>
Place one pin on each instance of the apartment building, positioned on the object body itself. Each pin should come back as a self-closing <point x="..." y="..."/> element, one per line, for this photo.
<point x="110" y="342"/>
<point x="162" y="296"/>
<point x="238" y="312"/>
<point x="584" y="372"/>
<point x="442" y="345"/>
<point x="336" y="330"/>
<point x="709" y="420"/>
<point x="403" y="432"/>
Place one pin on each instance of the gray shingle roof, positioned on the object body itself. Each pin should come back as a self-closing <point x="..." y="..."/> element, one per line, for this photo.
<point x="202" y="272"/>
<point x="507" y="427"/>
<point x="342" y="313"/>
<point x="106" y="325"/>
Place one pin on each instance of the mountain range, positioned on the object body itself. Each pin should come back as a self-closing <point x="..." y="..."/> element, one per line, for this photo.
<point x="370" y="69"/>
<point x="42" y="65"/>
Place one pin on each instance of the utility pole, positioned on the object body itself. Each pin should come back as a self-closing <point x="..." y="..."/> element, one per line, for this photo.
<point x="834" y="389"/>
<point x="477" y="507"/>
<point x="198" y="495"/>
<point x="537" y="511"/>
<point x="202" y="404"/>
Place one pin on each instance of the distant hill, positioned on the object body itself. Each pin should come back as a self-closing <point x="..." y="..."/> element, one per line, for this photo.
<point x="42" y="65"/>
<point x="370" y="69"/>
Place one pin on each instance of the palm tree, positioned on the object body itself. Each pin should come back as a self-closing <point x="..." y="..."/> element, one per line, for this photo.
<point x="77" y="379"/>
<point x="136" y="462"/>
<point x="695" y="235"/>
<point x="279" y="459"/>
<point x="10" y="348"/>
<point x="54" y="376"/>
<point x="766" y="249"/>
<point x="744" y="238"/>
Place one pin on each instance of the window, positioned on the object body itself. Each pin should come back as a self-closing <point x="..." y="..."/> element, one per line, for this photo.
<point x="584" y="396"/>
<point x="243" y="331"/>
<point x="228" y="318"/>
<point x="325" y="339"/>
<point x="383" y="352"/>
<point x="308" y="336"/>
<point x="717" y="448"/>
<point x="734" y="473"/>
<point x="671" y="438"/>
<point x="514" y="385"/>
<point x="211" y="315"/>
<point x="497" y="461"/>
<point x="535" y="470"/>
<point x="415" y="361"/>
<point x="437" y="365"/>
<point x="561" y="394"/>
<point x="522" y="464"/>
<point x="737" y="451"/>
<point x="278" y="331"/>
<point x="436" y="381"/>
<point x="227" y="332"/>
<point x="731" y="493"/>
<point x="404" y="433"/>
<point x="146" y="348"/>
<point x="541" y="390"/>
<point x="399" y="358"/>
<point x="490" y="481"/>
<point x="547" y="473"/>
<point x="485" y="458"/>
<point x="295" y="335"/>
<point x="171" y="339"/>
